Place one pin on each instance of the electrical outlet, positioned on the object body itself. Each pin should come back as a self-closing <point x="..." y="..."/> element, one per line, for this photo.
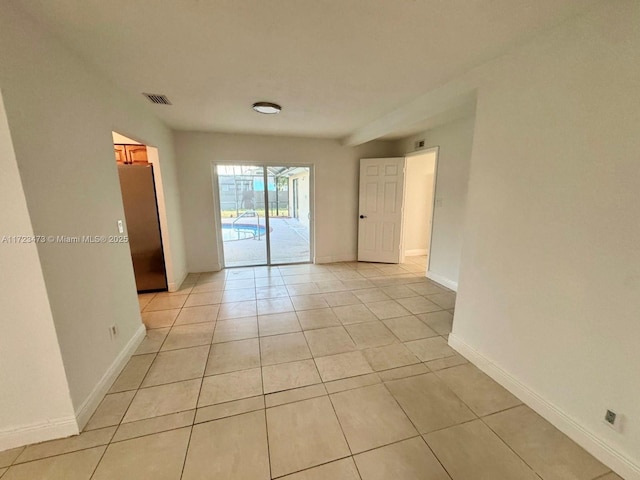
<point x="120" y="226"/>
<point x="613" y="420"/>
<point x="113" y="331"/>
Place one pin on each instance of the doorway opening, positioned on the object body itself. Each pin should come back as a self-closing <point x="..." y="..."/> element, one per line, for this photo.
<point x="419" y="203"/>
<point x="265" y="214"/>
<point x="139" y="172"/>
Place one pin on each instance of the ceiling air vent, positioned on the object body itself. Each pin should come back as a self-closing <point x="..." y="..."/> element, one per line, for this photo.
<point x="157" y="98"/>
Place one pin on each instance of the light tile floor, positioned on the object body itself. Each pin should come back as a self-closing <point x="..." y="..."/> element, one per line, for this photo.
<point x="305" y="372"/>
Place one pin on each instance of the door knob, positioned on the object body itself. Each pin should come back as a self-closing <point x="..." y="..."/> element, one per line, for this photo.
<point x="363" y="216"/>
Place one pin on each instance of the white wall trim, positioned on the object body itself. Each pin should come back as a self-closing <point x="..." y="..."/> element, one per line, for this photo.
<point x="90" y="404"/>
<point x="415" y="253"/>
<point x="336" y="258"/>
<point x="175" y="286"/>
<point x="38" y="432"/>
<point x="442" y="280"/>
<point x="604" y="452"/>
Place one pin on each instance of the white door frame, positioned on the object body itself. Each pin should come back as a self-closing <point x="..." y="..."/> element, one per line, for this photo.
<point x="424" y="151"/>
<point x="216" y="204"/>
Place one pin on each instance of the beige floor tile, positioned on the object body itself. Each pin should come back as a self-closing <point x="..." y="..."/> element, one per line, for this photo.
<point x="163" y="400"/>
<point x="185" y="289"/>
<point x="318" y="318"/>
<point x="208" y="277"/>
<point x="370" y="418"/>
<point x="278" y="324"/>
<point x="3" y="471"/>
<point x="160" y="318"/>
<point x="295" y="395"/>
<point x="153" y="425"/>
<point x="239" y="284"/>
<point x="371" y="334"/>
<point x="165" y="303"/>
<point x="215" y="286"/>
<point x="144" y="299"/>
<point x="418" y="305"/>
<point x="177" y="365"/>
<point x="7" y="457"/>
<point x="425" y="288"/>
<point x="244" y="273"/>
<point x="338" y="299"/>
<point x="185" y="336"/>
<point x="288" y="347"/>
<point x="302" y="289"/>
<point x="407" y="460"/>
<point x="387" y="309"/>
<point x="343" y="365"/>
<point x="329" y="341"/>
<point x="398" y="291"/>
<point x="369" y="295"/>
<point x="389" y="356"/>
<point x="230" y="448"/>
<point x="71" y="466"/>
<point x="203" y="298"/>
<point x="432" y="348"/>
<point x="133" y="373"/>
<point x="239" y="295"/>
<point x="610" y="476"/>
<point x="233" y="356"/>
<point x="235" y="329"/>
<point x="477" y="390"/>
<point x="361" y="284"/>
<point x="350" y="314"/>
<point x="152" y="341"/>
<point x="343" y="469"/>
<point x="269" y="282"/>
<point x="237" y="310"/>
<point x="409" y="328"/>
<point x="441" y="322"/>
<point x="472" y="450"/>
<point x="269" y="306"/>
<point x="442" y="363"/>
<point x="111" y="410"/>
<point x="348" y="275"/>
<point x="350" y="383"/>
<point x="154" y="457"/>
<point x="547" y="450"/>
<point x="271" y="292"/>
<point x="304" y="434"/>
<point x="444" y="300"/>
<point x="201" y="314"/>
<point x="429" y="403"/>
<point x="230" y="386"/>
<point x="309" y="302"/>
<point x="403" y="372"/>
<point x="229" y="409"/>
<point x="285" y="376"/>
<point x="85" y="440"/>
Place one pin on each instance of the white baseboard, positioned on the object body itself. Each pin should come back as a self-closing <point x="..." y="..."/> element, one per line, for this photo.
<point x="443" y="281"/>
<point x="336" y="258"/>
<point x="91" y="403"/>
<point x="416" y="253"/>
<point x="38" y="432"/>
<point x="214" y="267"/>
<point x="615" y="460"/>
<point x="175" y="286"/>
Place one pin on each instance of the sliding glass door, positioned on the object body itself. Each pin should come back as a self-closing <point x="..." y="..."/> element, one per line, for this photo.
<point x="265" y="214"/>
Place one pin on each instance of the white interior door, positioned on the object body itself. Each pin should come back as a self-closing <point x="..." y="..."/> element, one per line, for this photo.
<point x="380" y="222"/>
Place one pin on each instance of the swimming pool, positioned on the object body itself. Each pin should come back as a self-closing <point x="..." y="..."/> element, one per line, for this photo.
<point x="242" y="231"/>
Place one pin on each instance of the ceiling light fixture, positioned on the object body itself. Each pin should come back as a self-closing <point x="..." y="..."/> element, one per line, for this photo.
<point x="267" y="108"/>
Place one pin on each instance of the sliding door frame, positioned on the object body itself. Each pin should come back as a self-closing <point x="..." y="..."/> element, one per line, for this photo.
<point x="218" y="218"/>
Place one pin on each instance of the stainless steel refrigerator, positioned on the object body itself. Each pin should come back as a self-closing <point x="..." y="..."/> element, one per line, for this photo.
<point x="143" y="226"/>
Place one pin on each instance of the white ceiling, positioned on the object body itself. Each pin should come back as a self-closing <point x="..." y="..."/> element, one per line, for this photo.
<point x="334" y="65"/>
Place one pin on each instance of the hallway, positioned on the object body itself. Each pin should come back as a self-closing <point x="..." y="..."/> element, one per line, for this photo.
<point x="307" y="372"/>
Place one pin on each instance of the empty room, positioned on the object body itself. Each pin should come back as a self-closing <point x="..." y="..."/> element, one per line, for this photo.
<point x="304" y="240"/>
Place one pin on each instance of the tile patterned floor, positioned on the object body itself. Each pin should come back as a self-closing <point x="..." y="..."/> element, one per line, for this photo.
<point x="305" y="372"/>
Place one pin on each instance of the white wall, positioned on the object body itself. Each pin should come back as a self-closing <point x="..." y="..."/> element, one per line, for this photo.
<point x="454" y="156"/>
<point x="61" y="116"/>
<point x="304" y="197"/>
<point x="418" y="203"/>
<point x="335" y="177"/>
<point x="32" y="368"/>
<point x="549" y="295"/>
